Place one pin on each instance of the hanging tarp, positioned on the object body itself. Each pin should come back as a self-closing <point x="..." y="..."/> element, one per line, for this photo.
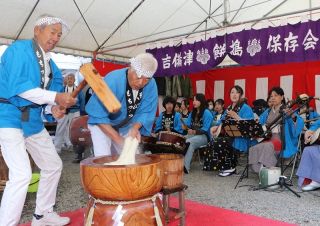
<point x="272" y="45"/>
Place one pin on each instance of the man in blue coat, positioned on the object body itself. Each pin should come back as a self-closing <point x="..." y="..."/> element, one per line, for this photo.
<point x="29" y="81"/>
<point x="62" y="132"/>
<point x="137" y="92"/>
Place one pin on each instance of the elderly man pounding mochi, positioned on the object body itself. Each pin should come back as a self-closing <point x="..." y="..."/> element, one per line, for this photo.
<point x="137" y="92"/>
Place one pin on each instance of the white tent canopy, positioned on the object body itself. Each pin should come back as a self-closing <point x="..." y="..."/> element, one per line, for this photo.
<point x="124" y="28"/>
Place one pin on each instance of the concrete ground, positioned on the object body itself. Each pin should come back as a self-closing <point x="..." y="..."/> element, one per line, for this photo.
<point x="209" y="188"/>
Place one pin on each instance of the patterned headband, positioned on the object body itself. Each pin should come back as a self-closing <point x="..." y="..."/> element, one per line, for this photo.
<point x="48" y="20"/>
<point x="136" y="65"/>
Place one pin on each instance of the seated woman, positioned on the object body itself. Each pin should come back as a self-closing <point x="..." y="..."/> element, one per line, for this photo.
<point x="309" y="167"/>
<point x="177" y="107"/>
<point x="265" y="153"/>
<point x="184" y="109"/>
<point x="210" y="105"/>
<point x="169" y="120"/>
<point x="224" y="157"/>
<point x="309" y="115"/>
<point x="218" y="111"/>
<point x="199" y="122"/>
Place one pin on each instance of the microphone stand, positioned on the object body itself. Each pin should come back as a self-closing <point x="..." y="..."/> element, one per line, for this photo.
<point x="282" y="179"/>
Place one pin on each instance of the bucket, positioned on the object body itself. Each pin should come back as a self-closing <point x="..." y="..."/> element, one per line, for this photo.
<point x="269" y="176"/>
<point x="34" y="183"/>
<point x="173" y="170"/>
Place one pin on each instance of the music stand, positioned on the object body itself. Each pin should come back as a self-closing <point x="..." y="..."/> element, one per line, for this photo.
<point x="246" y="129"/>
<point x="243" y="128"/>
<point x="249" y="129"/>
<point x="231" y="128"/>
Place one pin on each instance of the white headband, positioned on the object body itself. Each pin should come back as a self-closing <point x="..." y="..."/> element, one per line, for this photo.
<point x="48" y="20"/>
<point x="136" y="65"/>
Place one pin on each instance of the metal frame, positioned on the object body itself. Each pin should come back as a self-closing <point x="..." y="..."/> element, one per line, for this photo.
<point x="85" y="21"/>
<point x="244" y="1"/>
<point x="211" y="29"/>
<point x="272" y="10"/>
<point x="183" y="34"/>
<point x="120" y="25"/>
<point x="210" y="15"/>
<point x="26" y="21"/>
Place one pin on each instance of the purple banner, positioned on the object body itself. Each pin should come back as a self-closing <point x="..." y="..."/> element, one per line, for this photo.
<point x="274" y="45"/>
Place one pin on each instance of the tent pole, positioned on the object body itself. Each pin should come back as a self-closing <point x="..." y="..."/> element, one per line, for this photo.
<point x="237" y="11"/>
<point x="74" y="1"/>
<point x="172" y="29"/>
<point x="184" y="26"/>
<point x="310" y="6"/>
<point x="26" y="21"/>
<point x="205" y="20"/>
<point x="195" y="1"/>
<point x="272" y="10"/>
<point x="225" y="11"/>
<point x="120" y="25"/>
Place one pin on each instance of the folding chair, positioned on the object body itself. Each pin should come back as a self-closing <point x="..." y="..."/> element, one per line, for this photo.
<point x="198" y="150"/>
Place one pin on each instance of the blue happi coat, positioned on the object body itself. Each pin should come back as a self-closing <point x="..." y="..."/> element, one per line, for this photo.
<point x="314" y="126"/>
<point x="291" y="132"/>
<point x="245" y="113"/>
<point x="177" y="125"/>
<point x="312" y="115"/>
<point x="206" y="122"/>
<point x="20" y="72"/>
<point x="145" y="113"/>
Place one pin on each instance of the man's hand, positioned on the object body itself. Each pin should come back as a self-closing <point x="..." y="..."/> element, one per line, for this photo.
<point x="58" y="112"/>
<point x="119" y="141"/>
<point x="65" y="100"/>
<point x="134" y="131"/>
<point x="112" y="133"/>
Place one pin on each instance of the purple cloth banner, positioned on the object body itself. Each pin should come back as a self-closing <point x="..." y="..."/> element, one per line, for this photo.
<point x="274" y="45"/>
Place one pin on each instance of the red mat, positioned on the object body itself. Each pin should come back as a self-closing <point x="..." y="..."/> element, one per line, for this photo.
<point x="199" y="214"/>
